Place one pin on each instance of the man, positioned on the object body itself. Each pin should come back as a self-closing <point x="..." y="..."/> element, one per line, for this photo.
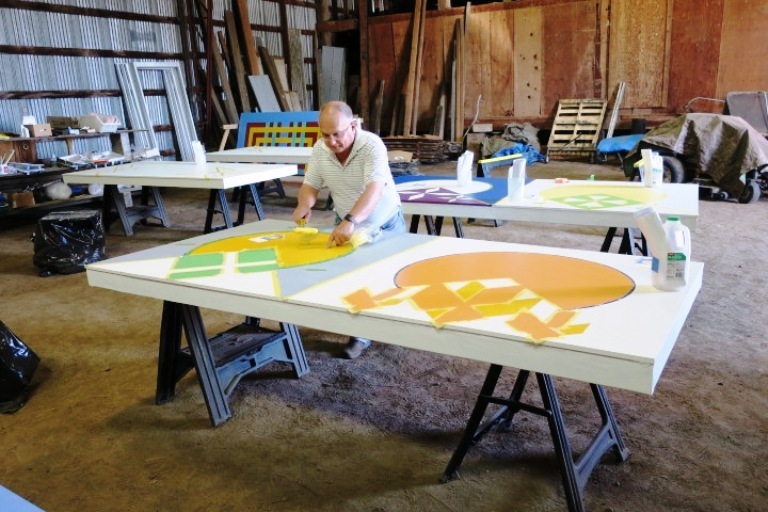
<point x="353" y="164"/>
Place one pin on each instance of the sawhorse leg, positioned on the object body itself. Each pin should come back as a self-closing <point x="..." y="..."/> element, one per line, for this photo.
<point x="130" y="215"/>
<point x="242" y="198"/>
<point x="435" y="226"/>
<point x="575" y="473"/>
<point x="627" y="245"/>
<point x="220" y="361"/>
<point x="256" y="204"/>
<point x="221" y="196"/>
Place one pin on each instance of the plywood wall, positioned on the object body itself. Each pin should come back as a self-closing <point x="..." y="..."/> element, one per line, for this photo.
<point x="743" y="63"/>
<point x="522" y="57"/>
<point x="695" y="51"/>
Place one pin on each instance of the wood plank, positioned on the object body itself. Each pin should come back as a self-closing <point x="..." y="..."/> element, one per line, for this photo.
<point x="600" y="67"/>
<point x="501" y="102"/>
<point x="298" y="81"/>
<point x="696" y="35"/>
<point x="274" y="78"/>
<point x="333" y="62"/>
<point x="317" y="70"/>
<point x="453" y="94"/>
<point x="459" y="114"/>
<point x="284" y="42"/>
<point x="400" y="38"/>
<point x="568" y="52"/>
<point x="265" y="95"/>
<point x="449" y="78"/>
<point x="527" y="59"/>
<point x="419" y="68"/>
<point x="480" y="66"/>
<point x="282" y="72"/>
<point x="378" y="102"/>
<point x="245" y="35"/>
<point x="742" y="59"/>
<point x="638" y="33"/>
<point x="667" y="51"/>
<point x="381" y="65"/>
<point x="323" y="14"/>
<point x="410" y="82"/>
<point x="295" y="101"/>
<point x="432" y="78"/>
<point x="229" y="101"/>
<point x="221" y="35"/>
<point x="364" y="94"/>
<point x="237" y="60"/>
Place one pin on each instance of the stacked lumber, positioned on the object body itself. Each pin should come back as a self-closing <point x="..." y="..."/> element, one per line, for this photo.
<point x="425" y="148"/>
<point x="244" y="77"/>
<point x="449" y="111"/>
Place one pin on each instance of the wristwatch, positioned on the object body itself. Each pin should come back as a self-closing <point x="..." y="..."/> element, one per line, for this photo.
<point x="351" y="218"/>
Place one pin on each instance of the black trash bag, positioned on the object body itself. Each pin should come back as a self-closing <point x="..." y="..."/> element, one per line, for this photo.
<point x="17" y="366"/>
<point x="66" y="241"/>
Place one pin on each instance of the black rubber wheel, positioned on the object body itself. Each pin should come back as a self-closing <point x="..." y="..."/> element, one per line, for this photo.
<point x="674" y="172"/>
<point x="751" y="192"/>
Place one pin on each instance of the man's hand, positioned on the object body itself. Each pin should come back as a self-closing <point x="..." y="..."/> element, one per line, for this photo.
<point x="302" y="214"/>
<point x="341" y="234"/>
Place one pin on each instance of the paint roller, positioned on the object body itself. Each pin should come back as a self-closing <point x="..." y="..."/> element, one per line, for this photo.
<point x="304" y="229"/>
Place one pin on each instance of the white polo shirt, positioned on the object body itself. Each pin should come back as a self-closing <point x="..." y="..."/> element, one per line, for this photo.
<point x="367" y="163"/>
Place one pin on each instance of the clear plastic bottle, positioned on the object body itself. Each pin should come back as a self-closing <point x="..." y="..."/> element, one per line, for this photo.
<point x="516" y="181"/>
<point x="670" y="269"/>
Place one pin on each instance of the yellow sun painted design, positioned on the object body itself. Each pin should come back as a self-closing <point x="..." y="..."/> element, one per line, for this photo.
<point x="539" y="295"/>
<point x="260" y="252"/>
<point x="597" y="197"/>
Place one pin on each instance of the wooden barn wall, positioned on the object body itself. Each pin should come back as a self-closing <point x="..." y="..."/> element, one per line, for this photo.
<point x="743" y="59"/>
<point x="696" y="35"/>
<point x="522" y="57"/>
<point x="570" y="57"/>
<point x="637" y="52"/>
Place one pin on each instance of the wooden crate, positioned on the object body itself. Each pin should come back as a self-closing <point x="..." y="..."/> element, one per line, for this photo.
<point x="576" y="129"/>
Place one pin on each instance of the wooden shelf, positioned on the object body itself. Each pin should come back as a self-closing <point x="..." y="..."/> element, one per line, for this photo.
<point x="25" y="150"/>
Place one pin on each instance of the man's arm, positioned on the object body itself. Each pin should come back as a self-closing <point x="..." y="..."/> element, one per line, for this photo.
<point x="307" y="199"/>
<point x="367" y="201"/>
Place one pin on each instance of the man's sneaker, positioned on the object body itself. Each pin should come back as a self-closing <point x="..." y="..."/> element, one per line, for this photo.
<point x="356" y="347"/>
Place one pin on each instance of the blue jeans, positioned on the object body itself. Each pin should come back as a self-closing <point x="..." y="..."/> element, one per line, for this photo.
<point x="395" y="224"/>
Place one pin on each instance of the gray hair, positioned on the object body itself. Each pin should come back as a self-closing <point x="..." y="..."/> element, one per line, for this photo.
<point x="337" y="106"/>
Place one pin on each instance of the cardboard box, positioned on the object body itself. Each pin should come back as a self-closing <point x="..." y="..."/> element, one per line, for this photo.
<point x="61" y="123"/>
<point x="21" y="199"/>
<point x="39" y="130"/>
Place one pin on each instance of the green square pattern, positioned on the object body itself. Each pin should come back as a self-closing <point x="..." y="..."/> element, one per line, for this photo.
<point x="596" y="201"/>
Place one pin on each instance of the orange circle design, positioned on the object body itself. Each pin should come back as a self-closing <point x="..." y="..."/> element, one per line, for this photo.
<point x="568" y="283"/>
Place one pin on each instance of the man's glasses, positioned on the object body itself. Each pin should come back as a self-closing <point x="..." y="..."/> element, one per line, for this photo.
<point x="336" y="136"/>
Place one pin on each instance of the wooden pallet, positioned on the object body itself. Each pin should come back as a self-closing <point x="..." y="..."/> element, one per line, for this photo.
<point x="576" y="129"/>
